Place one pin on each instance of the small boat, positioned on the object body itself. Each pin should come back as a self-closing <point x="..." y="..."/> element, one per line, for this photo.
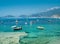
<point x="40" y="27"/>
<point x="18" y="28"/>
<point x="15" y="27"/>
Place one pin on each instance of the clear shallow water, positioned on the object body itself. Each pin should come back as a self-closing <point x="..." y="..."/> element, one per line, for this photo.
<point x="49" y="35"/>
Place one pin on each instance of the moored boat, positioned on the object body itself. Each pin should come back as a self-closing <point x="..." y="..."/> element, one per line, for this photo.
<point x="18" y="28"/>
<point x="40" y="28"/>
<point x="15" y="27"/>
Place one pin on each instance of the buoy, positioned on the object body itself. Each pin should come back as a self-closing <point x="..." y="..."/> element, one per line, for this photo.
<point x="16" y="21"/>
<point x="25" y="23"/>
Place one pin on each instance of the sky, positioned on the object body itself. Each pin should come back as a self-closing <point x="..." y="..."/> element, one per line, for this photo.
<point x="26" y="7"/>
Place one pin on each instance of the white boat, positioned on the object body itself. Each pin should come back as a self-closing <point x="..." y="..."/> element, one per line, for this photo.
<point x="18" y="28"/>
<point x="15" y="27"/>
<point x="40" y="27"/>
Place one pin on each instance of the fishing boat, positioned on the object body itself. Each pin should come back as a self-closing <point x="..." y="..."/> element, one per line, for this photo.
<point x="15" y="27"/>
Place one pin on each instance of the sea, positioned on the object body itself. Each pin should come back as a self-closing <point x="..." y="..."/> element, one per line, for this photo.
<point x="50" y="34"/>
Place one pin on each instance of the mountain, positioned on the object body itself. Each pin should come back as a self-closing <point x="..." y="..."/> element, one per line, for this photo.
<point x="23" y="16"/>
<point x="49" y="13"/>
<point x="9" y="16"/>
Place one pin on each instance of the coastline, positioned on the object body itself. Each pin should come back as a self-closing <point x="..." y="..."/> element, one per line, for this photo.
<point x="11" y="37"/>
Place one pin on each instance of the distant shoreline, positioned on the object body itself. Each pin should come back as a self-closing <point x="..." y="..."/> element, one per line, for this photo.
<point x="30" y="17"/>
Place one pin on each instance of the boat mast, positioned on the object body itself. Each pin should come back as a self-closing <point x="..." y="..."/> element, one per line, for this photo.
<point x="16" y="22"/>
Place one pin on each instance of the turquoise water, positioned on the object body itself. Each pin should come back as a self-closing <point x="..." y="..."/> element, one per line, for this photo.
<point x="50" y="34"/>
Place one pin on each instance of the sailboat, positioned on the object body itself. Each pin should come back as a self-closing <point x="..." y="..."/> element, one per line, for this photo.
<point x="15" y="27"/>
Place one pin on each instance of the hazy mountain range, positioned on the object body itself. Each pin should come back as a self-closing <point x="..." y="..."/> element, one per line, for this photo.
<point x="52" y="12"/>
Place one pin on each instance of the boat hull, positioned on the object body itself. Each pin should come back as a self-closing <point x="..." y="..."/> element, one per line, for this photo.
<point x="17" y="28"/>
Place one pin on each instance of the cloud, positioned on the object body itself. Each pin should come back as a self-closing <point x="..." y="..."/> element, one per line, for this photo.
<point x="53" y="8"/>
